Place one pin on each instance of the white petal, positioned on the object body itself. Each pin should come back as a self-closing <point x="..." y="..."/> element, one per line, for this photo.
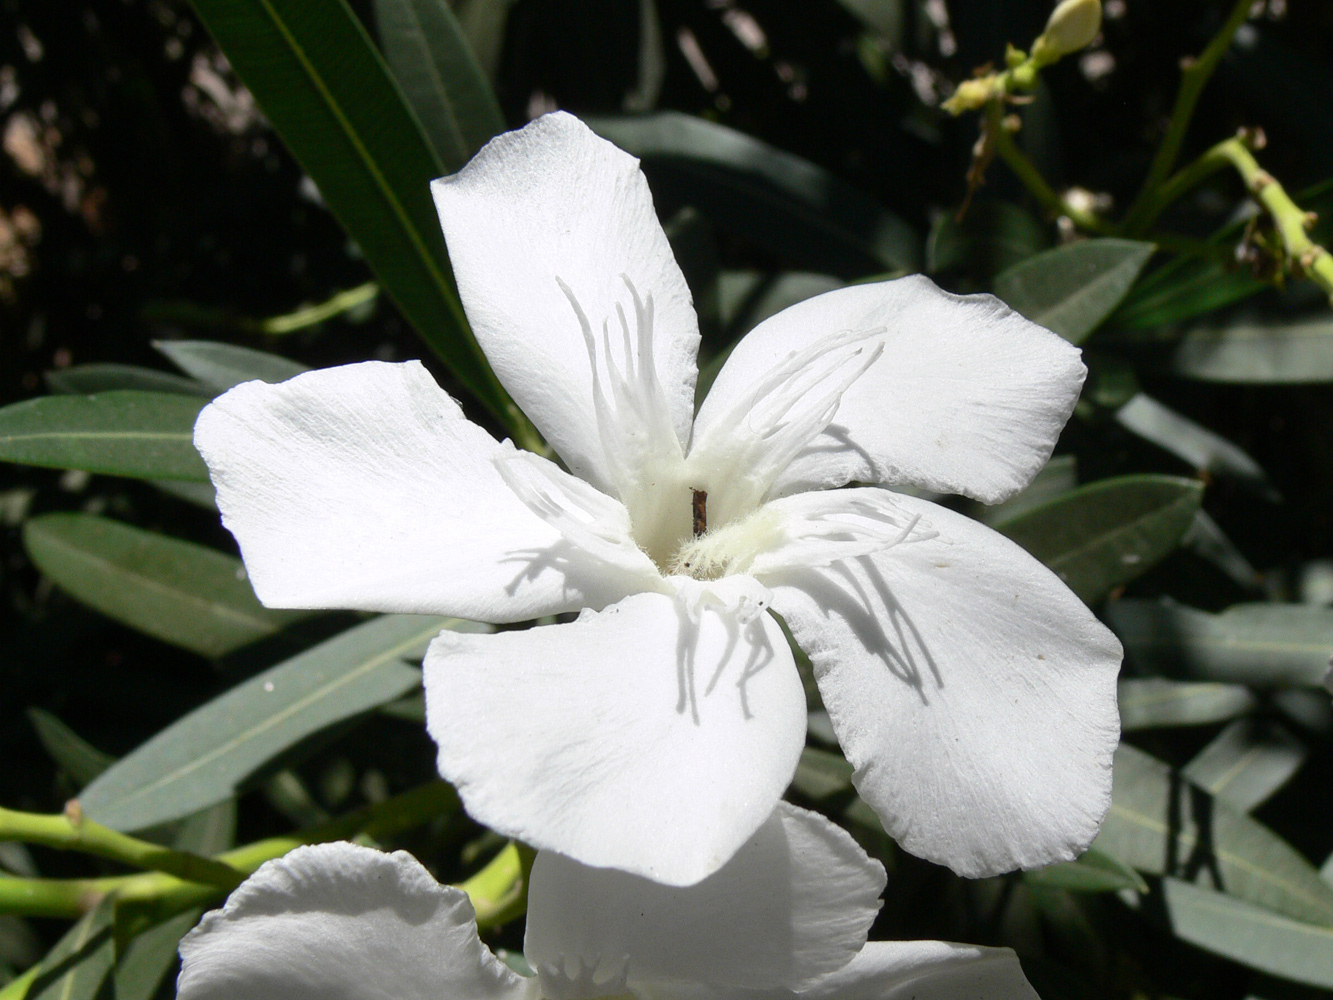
<point x="972" y="690"/>
<point x="926" y="970"/>
<point x="544" y="224"/>
<point x="341" y="922"/>
<point x="795" y="902"/>
<point x="366" y="487"/>
<point x="966" y="397"/>
<point x="633" y="738"/>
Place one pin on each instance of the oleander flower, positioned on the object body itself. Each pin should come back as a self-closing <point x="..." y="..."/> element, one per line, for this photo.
<point x="786" y="917"/>
<point x="973" y="692"/>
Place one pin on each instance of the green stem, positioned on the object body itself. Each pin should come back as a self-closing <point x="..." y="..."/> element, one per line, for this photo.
<point x="499" y="892"/>
<point x="311" y="315"/>
<point x="165" y="895"/>
<point x="196" y="315"/>
<point x="72" y="831"/>
<point x="1290" y="220"/>
<point x="1192" y="81"/>
<point x="1027" y="172"/>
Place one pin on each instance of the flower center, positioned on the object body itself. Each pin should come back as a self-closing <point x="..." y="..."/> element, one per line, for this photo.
<point x="727" y="549"/>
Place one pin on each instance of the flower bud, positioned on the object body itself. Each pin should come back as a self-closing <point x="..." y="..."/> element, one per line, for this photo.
<point x="1072" y="25"/>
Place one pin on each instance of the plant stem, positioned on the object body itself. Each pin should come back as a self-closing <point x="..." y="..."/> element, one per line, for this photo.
<point x="1193" y="78"/>
<point x="1290" y="220"/>
<point x="1031" y="177"/>
<point x="499" y="892"/>
<point x="164" y="895"/>
<point x="72" y="831"/>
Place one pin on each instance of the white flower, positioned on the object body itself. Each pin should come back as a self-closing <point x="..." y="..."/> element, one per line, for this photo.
<point x="974" y="693"/>
<point x="787" y="917"/>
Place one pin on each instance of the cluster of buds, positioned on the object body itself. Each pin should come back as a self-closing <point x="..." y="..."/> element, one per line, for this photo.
<point x="1072" y="26"/>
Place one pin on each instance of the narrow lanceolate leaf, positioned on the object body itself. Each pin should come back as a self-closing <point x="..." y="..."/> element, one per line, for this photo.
<point x="76" y="756"/>
<point x="147" y="959"/>
<point x="1182" y="289"/>
<point x="221" y="366"/>
<point x="331" y="97"/>
<point x="1263" y="644"/>
<point x="78" y="966"/>
<point x="108" y="377"/>
<point x="439" y="76"/>
<point x="795" y="209"/>
<point x="1094" y="871"/>
<point x="1250" y="934"/>
<point x="1150" y="703"/>
<point x="1103" y="535"/>
<point x="185" y="594"/>
<point x="1162" y="825"/>
<point x="1251" y="351"/>
<point x="1193" y="443"/>
<point x="992" y="237"/>
<point x="202" y="758"/>
<point x="145" y="435"/>
<point x="1071" y="289"/>
<point x="1247" y="762"/>
<point x="1058" y="477"/>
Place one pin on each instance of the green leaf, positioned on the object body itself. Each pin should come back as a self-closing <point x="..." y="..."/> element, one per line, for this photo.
<point x="1103" y="535"/>
<point x="185" y="594"/>
<point x="1191" y="443"/>
<point x="1263" y="644"/>
<point x="202" y="759"/>
<point x="439" y="76"/>
<point x="1058" y="477"/>
<point x="1249" y="934"/>
<point x="209" y="831"/>
<point x="1250" y="351"/>
<point x="993" y="236"/>
<point x="821" y="773"/>
<point x="145" y="435"/>
<point x="791" y="207"/>
<point x="331" y="97"/>
<point x="150" y="956"/>
<point x="78" y="967"/>
<point x="1182" y="289"/>
<point x="1247" y="762"/>
<point x="1072" y="288"/>
<point x="1095" y="871"/>
<point x="1152" y="703"/>
<point x="76" y="756"/>
<point x="1162" y="826"/>
<point x="221" y="366"/>
<point x="106" y="377"/>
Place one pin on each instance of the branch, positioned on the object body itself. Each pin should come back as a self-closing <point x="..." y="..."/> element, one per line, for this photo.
<point x="1193" y="78"/>
<point x="72" y="831"/>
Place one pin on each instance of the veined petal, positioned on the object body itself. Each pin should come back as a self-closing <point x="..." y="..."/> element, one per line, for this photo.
<point x="341" y="922"/>
<point x="794" y="903"/>
<point x="366" y="487"/>
<point x="974" y="693"/>
<point x="926" y="970"/>
<point x="966" y="396"/>
<point x="575" y="296"/>
<point x="634" y="738"/>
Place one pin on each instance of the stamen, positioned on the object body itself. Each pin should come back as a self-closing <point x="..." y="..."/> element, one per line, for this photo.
<point x="767" y="427"/>
<point x="860" y="527"/>
<point x="642" y="452"/>
<point x="584" y="516"/>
